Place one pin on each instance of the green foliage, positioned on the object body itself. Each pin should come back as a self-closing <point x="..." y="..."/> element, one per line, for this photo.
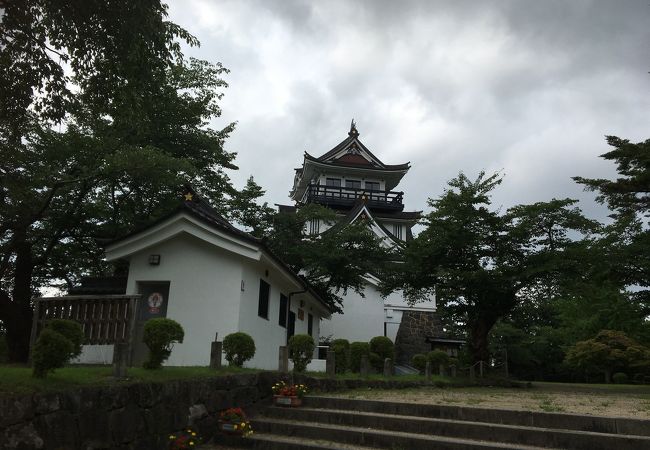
<point x="481" y="262"/>
<point x="244" y="209"/>
<point x="419" y="361"/>
<point x="239" y="347"/>
<point x="437" y="358"/>
<point x="134" y="114"/>
<point x="381" y="348"/>
<point x="357" y="350"/>
<point x="160" y="334"/>
<point x="341" y="348"/>
<point x="619" y="378"/>
<point x="51" y="351"/>
<point x="301" y="350"/>
<point x="71" y="330"/>
<point x="334" y="261"/>
<point x="609" y="351"/>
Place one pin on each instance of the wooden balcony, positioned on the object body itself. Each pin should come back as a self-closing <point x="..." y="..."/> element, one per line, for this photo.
<point x="345" y="197"/>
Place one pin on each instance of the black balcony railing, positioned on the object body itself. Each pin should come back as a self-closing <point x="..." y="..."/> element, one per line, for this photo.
<point x="344" y="197"/>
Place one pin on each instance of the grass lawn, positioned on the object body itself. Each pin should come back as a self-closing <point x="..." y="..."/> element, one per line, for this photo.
<point x="15" y="379"/>
<point x="591" y="399"/>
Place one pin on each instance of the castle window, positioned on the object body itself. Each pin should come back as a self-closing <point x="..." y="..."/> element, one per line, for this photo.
<point x="314" y="226"/>
<point x="333" y="182"/>
<point x="353" y="184"/>
<point x="372" y="185"/>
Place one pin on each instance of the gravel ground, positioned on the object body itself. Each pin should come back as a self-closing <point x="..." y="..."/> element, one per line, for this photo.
<point x="599" y="400"/>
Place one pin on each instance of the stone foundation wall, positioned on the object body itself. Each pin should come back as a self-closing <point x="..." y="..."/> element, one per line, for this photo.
<point x="131" y="416"/>
<point x="140" y="416"/>
<point x="413" y="329"/>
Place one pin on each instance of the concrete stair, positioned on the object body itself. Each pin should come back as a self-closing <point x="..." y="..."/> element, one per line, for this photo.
<point x="336" y="423"/>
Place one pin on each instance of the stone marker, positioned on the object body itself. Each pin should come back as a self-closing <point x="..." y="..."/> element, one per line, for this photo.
<point x="441" y="370"/>
<point x="330" y="363"/>
<point x="453" y="371"/>
<point x="120" y="358"/>
<point x="365" y="366"/>
<point x="215" y="355"/>
<point x="283" y="360"/>
<point x="427" y="370"/>
<point x="388" y="367"/>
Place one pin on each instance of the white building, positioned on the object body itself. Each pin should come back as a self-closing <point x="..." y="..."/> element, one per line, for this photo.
<point x="196" y="268"/>
<point x="355" y="183"/>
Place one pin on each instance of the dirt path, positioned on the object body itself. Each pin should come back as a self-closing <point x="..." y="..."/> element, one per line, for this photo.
<point x="599" y="400"/>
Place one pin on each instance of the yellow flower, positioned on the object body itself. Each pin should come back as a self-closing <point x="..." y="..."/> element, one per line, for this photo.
<point x="243" y="424"/>
<point x="193" y="434"/>
<point x="235" y="427"/>
<point x="172" y="436"/>
<point x="191" y="443"/>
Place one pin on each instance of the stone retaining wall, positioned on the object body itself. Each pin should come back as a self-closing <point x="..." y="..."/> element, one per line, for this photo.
<point x="140" y="416"/>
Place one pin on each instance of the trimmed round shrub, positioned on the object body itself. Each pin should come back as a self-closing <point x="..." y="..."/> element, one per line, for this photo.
<point x="160" y="334"/>
<point x="437" y="358"/>
<point x="71" y="330"/>
<point x="419" y="361"/>
<point x="239" y="348"/>
<point x="301" y="350"/>
<point x="619" y="378"/>
<point x="638" y="378"/>
<point x="357" y="350"/>
<point x="381" y="347"/>
<point x="341" y="348"/>
<point x="51" y="351"/>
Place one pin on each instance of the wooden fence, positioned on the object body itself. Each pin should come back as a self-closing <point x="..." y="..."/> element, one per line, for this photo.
<point x="105" y="319"/>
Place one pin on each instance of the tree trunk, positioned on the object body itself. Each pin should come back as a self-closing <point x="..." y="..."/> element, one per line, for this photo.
<point x="16" y="313"/>
<point x="479" y="331"/>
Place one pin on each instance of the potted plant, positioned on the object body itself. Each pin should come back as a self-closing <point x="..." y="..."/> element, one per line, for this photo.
<point x="233" y="422"/>
<point x="184" y="440"/>
<point x="288" y="395"/>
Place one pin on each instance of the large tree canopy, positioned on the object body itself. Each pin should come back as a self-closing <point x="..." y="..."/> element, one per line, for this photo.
<point x="481" y="262"/>
<point x="101" y="119"/>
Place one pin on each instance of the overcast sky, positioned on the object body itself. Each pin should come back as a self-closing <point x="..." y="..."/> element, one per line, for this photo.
<point x="529" y="88"/>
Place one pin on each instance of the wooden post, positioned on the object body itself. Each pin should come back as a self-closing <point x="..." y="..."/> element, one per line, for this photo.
<point x="388" y="367"/>
<point x="365" y="366"/>
<point x="133" y="320"/>
<point x="32" y="336"/>
<point x="215" y="355"/>
<point x="283" y="359"/>
<point x="427" y="371"/>
<point x="480" y="369"/>
<point x="330" y="363"/>
<point x="120" y="358"/>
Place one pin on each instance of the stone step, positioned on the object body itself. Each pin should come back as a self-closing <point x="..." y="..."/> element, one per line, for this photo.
<point x="513" y="434"/>
<point x="339" y="435"/>
<point x="560" y="421"/>
<point x="267" y="441"/>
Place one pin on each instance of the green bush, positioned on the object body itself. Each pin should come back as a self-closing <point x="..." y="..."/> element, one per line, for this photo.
<point x="381" y="348"/>
<point x="60" y="341"/>
<point x="301" y="350"/>
<point x="358" y="349"/>
<point x="619" y="378"/>
<point x="71" y="330"/>
<point x="437" y="358"/>
<point x="419" y="361"/>
<point x="239" y="348"/>
<point x="638" y="378"/>
<point x="341" y="348"/>
<point x="51" y="351"/>
<point x="160" y="334"/>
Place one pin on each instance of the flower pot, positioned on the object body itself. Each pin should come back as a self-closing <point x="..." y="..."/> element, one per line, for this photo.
<point x="287" y="400"/>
